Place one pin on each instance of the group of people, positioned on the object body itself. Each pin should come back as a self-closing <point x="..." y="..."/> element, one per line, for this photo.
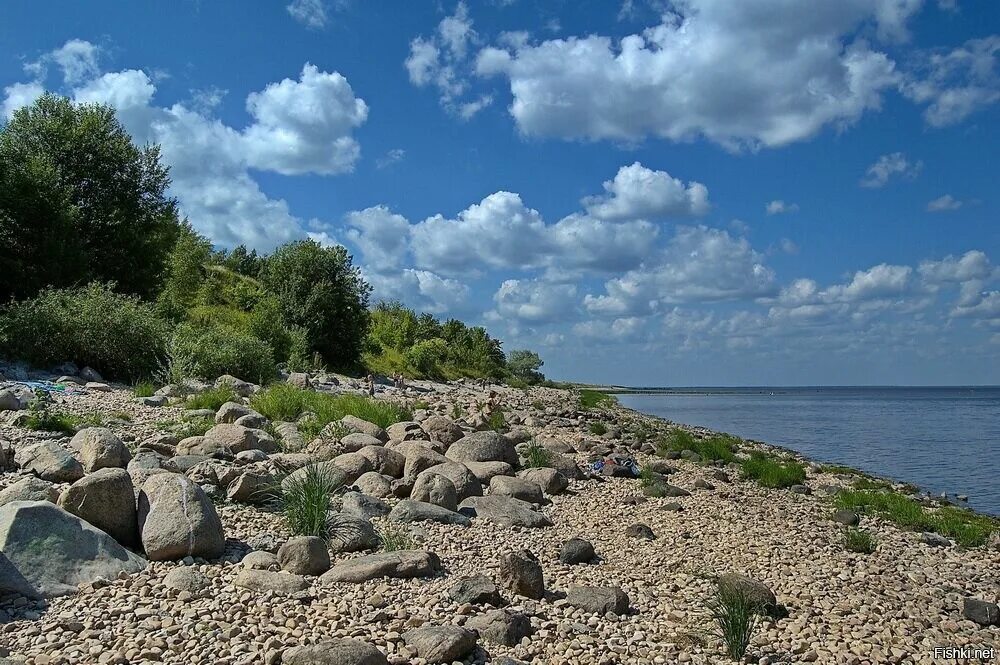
<point x="398" y="381"/>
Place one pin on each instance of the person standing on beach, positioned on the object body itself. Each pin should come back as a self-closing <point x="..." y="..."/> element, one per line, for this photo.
<point x="371" y="385"/>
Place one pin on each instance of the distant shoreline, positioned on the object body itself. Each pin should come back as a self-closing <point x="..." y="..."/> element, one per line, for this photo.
<point x="774" y="390"/>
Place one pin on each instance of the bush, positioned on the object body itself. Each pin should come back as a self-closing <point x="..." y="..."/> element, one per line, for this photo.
<point x="118" y="335"/>
<point x="737" y="616"/>
<point x="592" y="399"/>
<point x="856" y="540"/>
<point x="40" y="419"/>
<point x="306" y="500"/>
<point x="144" y="389"/>
<point x="598" y="429"/>
<point x="964" y="526"/>
<point x="771" y="472"/>
<point x="282" y="401"/>
<point x="395" y="538"/>
<point x="208" y="353"/>
<point x="716" y="448"/>
<point x="536" y="456"/>
<point x="213" y="398"/>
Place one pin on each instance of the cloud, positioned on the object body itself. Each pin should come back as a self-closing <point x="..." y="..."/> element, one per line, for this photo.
<point x="310" y="13"/>
<point x="302" y="126"/>
<point x="639" y="192"/>
<point x="77" y="59"/>
<point x="389" y="158"/>
<point x="755" y="73"/>
<point x="442" y="60"/>
<point x="420" y="289"/>
<point x="381" y="235"/>
<point x="887" y="166"/>
<point x="944" y="204"/>
<point x="957" y="83"/>
<point x="534" y="302"/>
<point x="19" y="95"/>
<point x="973" y="265"/>
<point x="779" y="207"/>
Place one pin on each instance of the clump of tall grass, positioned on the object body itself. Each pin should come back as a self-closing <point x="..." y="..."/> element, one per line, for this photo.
<point x="282" y="401"/>
<point x="598" y="428"/>
<point x="857" y="540"/>
<point x="961" y="525"/>
<point x="497" y="421"/>
<point x="592" y="399"/>
<point x="144" y="389"/>
<point x="737" y="616"/>
<point x="213" y="398"/>
<point x="41" y="419"/>
<point x="305" y="498"/>
<point x="770" y="471"/>
<point x="396" y="537"/>
<point x="536" y="456"/>
<point x="715" y="448"/>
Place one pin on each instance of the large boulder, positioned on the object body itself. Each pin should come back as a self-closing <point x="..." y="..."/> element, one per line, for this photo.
<point x="230" y="412"/>
<point x="519" y="488"/>
<point x="420" y="458"/>
<point x="304" y="555"/>
<point x="355" y="441"/>
<point x="598" y="600"/>
<point x="434" y="488"/>
<point x="756" y="591"/>
<point x="487" y="471"/>
<point x="552" y="481"/>
<point x="350" y="533"/>
<point x="239" y="386"/>
<point x="506" y="511"/>
<point x="29" y="489"/>
<point x="501" y="627"/>
<point x="577" y="550"/>
<point x="256" y="485"/>
<point x="374" y="484"/>
<point x="358" y="425"/>
<point x="520" y="573"/>
<point x="406" y="431"/>
<point x="334" y="652"/>
<point x="354" y="465"/>
<point x="177" y="519"/>
<point x="485" y="446"/>
<point x="465" y="481"/>
<point x="238" y="438"/>
<point x="441" y="644"/>
<point x="13" y="582"/>
<point x="55" y="551"/>
<point x="385" y="461"/>
<point x="203" y="447"/>
<point x="443" y="429"/>
<point x="49" y="461"/>
<point x="421" y="511"/>
<point x="477" y="590"/>
<point x="265" y="580"/>
<point x="106" y="499"/>
<point x="401" y="564"/>
<point x="358" y="504"/>
<point x="100" y="448"/>
<point x="330" y="472"/>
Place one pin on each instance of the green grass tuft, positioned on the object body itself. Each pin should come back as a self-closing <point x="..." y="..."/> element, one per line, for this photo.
<point x="737" y="617"/>
<point x="282" y="401"/>
<point x="536" y="456"/>
<point x="43" y="420"/>
<point x="396" y="537"/>
<point x="593" y="399"/>
<point x="598" y="429"/>
<point x="717" y="448"/>
<point x="961" y="525"/>
<point x="144" y="389"/>
<point x="840" y="469"/>
<point x="306" y="500"/>
<point x="213" y="398"/>
<point x="856" y="540"/>
<point x="771" y="472"/>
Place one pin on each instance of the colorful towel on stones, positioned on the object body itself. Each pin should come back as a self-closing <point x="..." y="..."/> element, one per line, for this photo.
<point x="628" y="463"/>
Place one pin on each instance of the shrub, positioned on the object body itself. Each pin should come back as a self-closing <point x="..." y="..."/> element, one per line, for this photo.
<point x="144" y="389"/>
<point x="737" y="615"/>
<point x="208" y="353"/>
<point x="41" y="419"/>
<point x="771" y="472"/>
<point x="592" y="399"/>
<point x="856" y="540"/>
<point x="306" y="498"/>
<point x="118" y="335"/>
<point x="716" y="448"/>
<point x="497" y="421"/>
<point x="213" y="398"/>
<point x="964" y="526"/>
<point x="282" y="401"/>
<point x="536" y="456"/>
<point x="598" y="428"/>
<point x="395" y="537"/>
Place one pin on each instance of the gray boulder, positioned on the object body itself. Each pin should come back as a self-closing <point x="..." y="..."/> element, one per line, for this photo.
<point x="465" y="481"/>
<point x="477" y="590"/>
<point x="485" y="446"/>
<point x="253" y="486"/>
<point x="577" y="550"/>
<point x="304" y="555"/>
<point x="186" y="578"/>
<point x="420" y="511"/>
<point x="506" y="511"/>
<point x="348" y="533"/>
<point x="406" y="431"/>
<point x="384" y="460"/>
<point x="49" y="461"/>
<point x="434" y="488"/>
<point x="106" y="499"/>
<point x="354" y="465"/>
<point x="238" y="438"/>
<point x="361" y="505"/>
<point x="177" y="519"/>
<point x="358" y="425"/>
<point x="401" y="564"/>
<point x="501" y="627"/>
<point x="230" y="412"/>
<point x="443" y="429"/>
<point x="374" y="484"/>
<point x="355" y="441"/>
<point x="598" y="600"/>
<point x="520" y="573"/>
<point x="982" y="612"/>
<point x="441" y="644"/>
<point x="518" y="488"/>
<point x="265" y="580"/>
<point x="552" y="481"/>
<point x="487" y="471"/>
<point x="29" y="489"/>
<point x="334" y="652"/>
<point x="756" y="591"/>
<point x="55" y="551"/>
<point x="99" y="448"/>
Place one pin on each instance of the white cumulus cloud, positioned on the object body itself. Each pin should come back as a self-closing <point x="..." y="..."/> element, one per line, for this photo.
<point x="641" y="193"/>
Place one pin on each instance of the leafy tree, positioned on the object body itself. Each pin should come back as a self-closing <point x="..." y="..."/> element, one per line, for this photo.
<point x="524" y="365"/>
<point x="185" y="273"/>
<point x="79" y="201"/>
<point x="321" y="290"/>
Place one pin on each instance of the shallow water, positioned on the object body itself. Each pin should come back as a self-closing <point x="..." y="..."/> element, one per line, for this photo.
<point x="941" y="439"/>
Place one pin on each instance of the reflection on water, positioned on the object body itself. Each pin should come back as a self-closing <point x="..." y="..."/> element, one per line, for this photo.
<point x="942" y="439"/>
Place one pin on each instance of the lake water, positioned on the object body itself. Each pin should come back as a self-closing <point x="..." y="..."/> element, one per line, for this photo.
<point x="941" y="439"/>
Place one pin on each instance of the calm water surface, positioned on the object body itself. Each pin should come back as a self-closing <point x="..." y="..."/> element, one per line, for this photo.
<point x="941" y="439"/>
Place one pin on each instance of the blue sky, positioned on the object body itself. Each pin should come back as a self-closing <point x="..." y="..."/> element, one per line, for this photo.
<point x="696" y="192"/>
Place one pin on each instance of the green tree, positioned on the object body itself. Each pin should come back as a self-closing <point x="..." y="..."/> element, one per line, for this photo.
<point x="524" y="365"/>
<point x="74" y="181"/>
<point x="185" y="273"/>
<point x="321" y="290"/>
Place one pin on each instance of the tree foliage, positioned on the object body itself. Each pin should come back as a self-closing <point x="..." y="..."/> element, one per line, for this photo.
<point x="523" y="365"/>
<point x="80" y="202"/>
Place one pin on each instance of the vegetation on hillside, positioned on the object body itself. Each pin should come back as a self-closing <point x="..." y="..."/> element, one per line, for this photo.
<point x="97" y="267"/>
